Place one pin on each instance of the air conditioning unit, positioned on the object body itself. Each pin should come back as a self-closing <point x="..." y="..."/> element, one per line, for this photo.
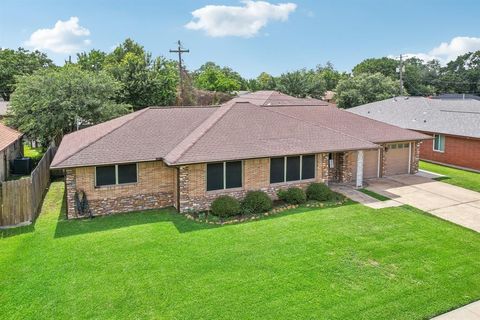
<point x="22" y="166"/>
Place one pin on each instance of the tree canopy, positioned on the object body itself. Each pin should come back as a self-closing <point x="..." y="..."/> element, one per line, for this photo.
<point x="19" y="62"/>
<point x="146" y="81"/>
<point x="365" y="88"/>
<point x="52" y="102"/>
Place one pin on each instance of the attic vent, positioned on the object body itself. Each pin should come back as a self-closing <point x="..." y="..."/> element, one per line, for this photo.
<point x="424" y="121"/>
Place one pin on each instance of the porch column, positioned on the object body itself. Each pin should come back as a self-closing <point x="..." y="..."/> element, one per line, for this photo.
<point x="359" y="180"/>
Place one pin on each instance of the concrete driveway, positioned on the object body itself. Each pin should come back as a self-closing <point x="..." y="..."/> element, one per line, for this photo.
<point x="455" y="204"/>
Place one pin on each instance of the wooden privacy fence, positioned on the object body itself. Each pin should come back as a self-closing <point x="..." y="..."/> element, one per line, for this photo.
<point x="20" y="200"/>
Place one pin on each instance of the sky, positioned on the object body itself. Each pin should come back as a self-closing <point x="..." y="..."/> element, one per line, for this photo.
<point x="248" y="36"/>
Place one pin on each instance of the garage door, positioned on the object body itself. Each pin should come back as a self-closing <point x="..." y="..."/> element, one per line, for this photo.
<point x="370" y="164"/>
<point x="396" y="159"/>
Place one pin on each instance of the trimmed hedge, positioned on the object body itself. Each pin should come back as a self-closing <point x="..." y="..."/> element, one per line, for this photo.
<point x="319" y="192"/>
<point x="292" y="195"/>
<point x="256" y="202"/>
<point x="225" y="206"/>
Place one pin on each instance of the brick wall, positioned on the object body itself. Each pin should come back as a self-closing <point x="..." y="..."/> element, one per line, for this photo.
<point x="256" y="176"/>
<point x="155" y="189"/>
<point x="459" y="151"/>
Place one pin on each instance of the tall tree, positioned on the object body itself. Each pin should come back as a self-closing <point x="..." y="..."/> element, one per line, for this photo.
<point x="385" y="66"/>
<point x="19" y="62"/>
<point x="50" y="103"/>
<point x="365" y="88"/>
<point x="302" y="83"/>
<point x="93" y="60"/>
<point x="461" y="75"/>
<point x="212" y="77"/>
<point x="266" y="81"/>
<point x="146" y="81"/>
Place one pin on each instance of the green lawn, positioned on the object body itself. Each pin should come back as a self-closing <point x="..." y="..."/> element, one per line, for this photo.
<point x="462" y="178"/>
<point x="348" y="262"/>
<point x="374" y="194"/>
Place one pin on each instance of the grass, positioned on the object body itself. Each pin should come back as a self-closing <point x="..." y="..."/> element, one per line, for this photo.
<point x="35" y="153"/>
<point x="374" y="194"/>
<point x="348" y="262"/>
<point x="461" y="178"/>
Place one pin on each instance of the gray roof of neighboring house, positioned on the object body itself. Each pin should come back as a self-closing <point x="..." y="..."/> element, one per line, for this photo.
<point x="456" y="96"/>
<point x="275" y="125"/>
<point x="454" y="117"/>
<point x="3" y="108"/>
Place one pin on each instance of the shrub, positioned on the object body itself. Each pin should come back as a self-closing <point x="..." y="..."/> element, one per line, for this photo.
<point x="292" y="195"/>
<point x="225" y="206"/>
<point x="319" y="192"/>
<point x="256" y="202"/>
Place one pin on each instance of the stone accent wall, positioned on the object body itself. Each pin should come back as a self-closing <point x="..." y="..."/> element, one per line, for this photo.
<point x="383" y="161"/>
<point x="415" y="156"/>
<point x="256" y="176"/>
<point x="155" y="188"/>
<point x="347" y="166"/>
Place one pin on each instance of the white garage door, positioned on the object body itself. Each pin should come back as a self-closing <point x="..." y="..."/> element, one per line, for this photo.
<point x="396" y="158"/>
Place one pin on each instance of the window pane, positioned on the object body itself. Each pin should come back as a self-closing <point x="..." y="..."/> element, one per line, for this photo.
<point x="308" y="167"/>
<point x="127" y="173"/>
<point x="214" y="176"/>
<point x="293" y="168"/>
<point x="234" y="174"/>
<point x="441" y="142"/>
<point x="277" y="170"/>
<point x="105" y="175"/>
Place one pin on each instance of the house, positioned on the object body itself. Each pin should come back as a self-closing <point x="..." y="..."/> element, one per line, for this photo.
<point x="3" y="109"/>
<point x="329" y="96"/>
<point x="10" y="149"/>
<point x="454" y="124"/>
<point x="187" y="156"/>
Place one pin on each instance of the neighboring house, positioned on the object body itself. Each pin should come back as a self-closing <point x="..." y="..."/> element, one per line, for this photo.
<point x="3" y="109"/>
<point x="187" y="156"/>
<point x="454" y="124"/>
<point x="456" y="96"/>
<point x="329" y="96"/>
<point x="10" y="149"/>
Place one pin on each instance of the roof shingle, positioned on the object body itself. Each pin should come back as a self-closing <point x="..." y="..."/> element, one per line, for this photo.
<point x="8" y="136"/>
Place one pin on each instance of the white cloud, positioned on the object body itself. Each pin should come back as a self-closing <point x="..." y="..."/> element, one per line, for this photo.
<point x="241" y="21"/>
<point x="448" y="51"/>
<point x="65" y="37"/>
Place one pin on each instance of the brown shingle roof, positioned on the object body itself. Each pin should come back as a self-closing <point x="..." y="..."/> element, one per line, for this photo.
<point x="275" y="98"/>
<point x="8" y="136"/>
<point x="236" y="130"/>
<point x="352" y="124"/>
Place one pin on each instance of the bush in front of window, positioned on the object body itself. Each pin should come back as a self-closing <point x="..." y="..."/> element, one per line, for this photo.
<point x="225" y="206"/>
<point x="256" y="202"/>
<point x="319" y="192"/>
<point x="292" y="195"/>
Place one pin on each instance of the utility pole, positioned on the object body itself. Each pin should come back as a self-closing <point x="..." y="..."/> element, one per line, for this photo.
<point x="180" y="50"/>
<point x="400" y="70"/>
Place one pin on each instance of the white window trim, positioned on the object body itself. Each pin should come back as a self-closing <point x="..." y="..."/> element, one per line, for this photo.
<point x="301" y="167"/>
<point x="433" y="146"/>
<point x="224" y="163"/>
<point x="116" y="176"/>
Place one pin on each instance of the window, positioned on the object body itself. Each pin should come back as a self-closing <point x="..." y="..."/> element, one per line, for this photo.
<point x="293" y="168"/>
<point x="224" y="175"/>
<point x="439" y="143"/>
<point x="277" y="170"/>
<point x="115" y="174"/>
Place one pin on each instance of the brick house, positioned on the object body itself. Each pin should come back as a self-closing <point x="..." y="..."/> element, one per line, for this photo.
<point x="10" y="149"/>
<point x="186" y="156"/>
<point x="453" y="123"/>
